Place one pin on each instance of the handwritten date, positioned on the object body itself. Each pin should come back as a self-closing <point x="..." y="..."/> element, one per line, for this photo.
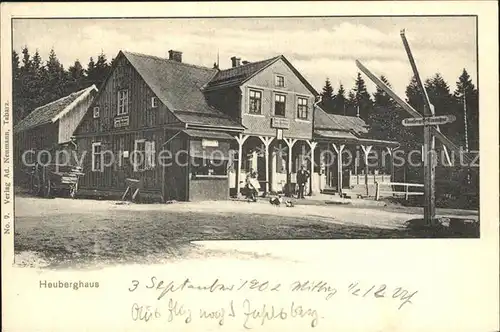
<point x="381" y="291"/>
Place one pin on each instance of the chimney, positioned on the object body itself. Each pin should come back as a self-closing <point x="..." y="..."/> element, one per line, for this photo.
<point x="235" y="61"/>
<point x="175" y="55"/>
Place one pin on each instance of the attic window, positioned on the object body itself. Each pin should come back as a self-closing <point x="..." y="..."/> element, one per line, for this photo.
<point x="122" y="102"/>
<point x="154" y="102"/>
<point x="96" y="112"/>
<point x="279" y="81"/>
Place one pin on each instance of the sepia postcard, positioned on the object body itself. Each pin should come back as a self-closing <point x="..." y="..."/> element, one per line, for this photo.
<point x="263" y="166"/>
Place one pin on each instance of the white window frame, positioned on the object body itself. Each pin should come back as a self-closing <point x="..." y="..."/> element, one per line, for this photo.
<point x="148" y="161"/>
<point x="277" y="80"/>
<point x="150" y="155"/>
<point x="122" y="104"/>
<point x="139" y="167"/>
<point x="250" y="99"/>
<point x="276" y="95"/>
<point x="95" y="112"/>
<point x="299" y="98"/>
<point x="154" y="102"/>
<point x="101" y="168"/>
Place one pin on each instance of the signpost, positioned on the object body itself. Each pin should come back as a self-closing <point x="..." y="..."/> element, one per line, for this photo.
<point x="430" y="122"/>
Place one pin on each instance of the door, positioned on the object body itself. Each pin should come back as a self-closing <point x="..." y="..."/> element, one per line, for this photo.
<point x="331" y="169"/>
<point x="175" y="172"/>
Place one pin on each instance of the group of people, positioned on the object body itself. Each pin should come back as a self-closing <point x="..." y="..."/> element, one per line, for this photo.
<point x="252" y="185"/>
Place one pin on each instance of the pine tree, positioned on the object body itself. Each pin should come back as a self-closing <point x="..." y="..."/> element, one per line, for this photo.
<point x="91" y="72"/>
<point x="327" y="97"/>
<point x="351" y="104"/>
<point x="385" y="121"/>
<point x="362" y="97"/>
<point x="381" y="98"/>
<point x="102" y="69"/>
<point x="414" y="96"/>
<point x="76" y="77"/>
<point x="55" y="78"/>
<point x="37" y="61"/>
<point x="340" y="101"/>
<point x="16" y="87"/>
<point x="26" y="59"/>
<point x="444" y="104"/>
<point x="25" y="103"/>
<point x="15" y="65"/>
<point x="466" y="99"/>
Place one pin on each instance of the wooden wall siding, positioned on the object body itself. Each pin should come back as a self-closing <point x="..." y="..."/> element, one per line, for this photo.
<point x="69" y="122"/>
<point x="265" y="82"/>
<point x="175" y="178"/>
<point x="208" y="189"/>
<point x="227" y="101"/>
<point x="43" y="137"/>
<point x="39" y="138"/>
<point x="113" y="177"/>
<point x="141" y="113"/>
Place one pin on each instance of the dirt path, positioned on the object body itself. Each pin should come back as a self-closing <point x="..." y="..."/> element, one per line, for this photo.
<point x="63" y="232"/>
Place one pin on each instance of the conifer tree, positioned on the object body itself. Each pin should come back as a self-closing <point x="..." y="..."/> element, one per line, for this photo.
<point x="466" y="99"/>
<point x="340" y="101"/>
<point x="327" y="97"/>
<point x="362" y="98"/>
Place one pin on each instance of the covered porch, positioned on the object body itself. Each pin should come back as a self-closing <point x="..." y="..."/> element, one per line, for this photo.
<point x="275" y="160"/>
<point x="349" y="160"/>
<point x="353" y="165"/>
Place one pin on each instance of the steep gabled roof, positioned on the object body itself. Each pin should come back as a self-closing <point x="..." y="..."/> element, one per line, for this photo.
<point x="237" y="75"/>
<point x="52" y="111"/>
<point x="240" y="74"/>
<point x="178" y="86"/>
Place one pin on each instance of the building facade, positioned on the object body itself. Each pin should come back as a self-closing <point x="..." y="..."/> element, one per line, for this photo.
<point x="186" y="132"/>
<point x="50" y="128"/>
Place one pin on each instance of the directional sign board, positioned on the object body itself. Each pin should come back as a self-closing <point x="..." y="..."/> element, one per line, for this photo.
<point x="429" y="121"/>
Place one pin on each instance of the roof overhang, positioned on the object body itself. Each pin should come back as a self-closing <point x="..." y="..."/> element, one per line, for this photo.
<point x="349" y="138"/>
<point x="208" y="134"/>
<point x="74" y="103"/>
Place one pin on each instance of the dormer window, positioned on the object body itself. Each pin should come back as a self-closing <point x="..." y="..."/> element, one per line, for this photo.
<point x="95" y="112"/>
<point x="154" y="102"/>
<point x="279" y="81"/>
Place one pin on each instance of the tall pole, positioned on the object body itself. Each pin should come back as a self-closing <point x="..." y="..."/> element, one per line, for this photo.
<point x="466" y="134"/>
<point x="429" y="173"/>
<point x="465" y="124"/>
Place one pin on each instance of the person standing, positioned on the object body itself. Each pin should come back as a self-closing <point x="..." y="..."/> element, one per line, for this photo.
<point x="302" y="177"/>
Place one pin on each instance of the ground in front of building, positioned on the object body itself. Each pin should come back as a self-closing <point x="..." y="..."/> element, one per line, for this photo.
<point x="76" y="232"/>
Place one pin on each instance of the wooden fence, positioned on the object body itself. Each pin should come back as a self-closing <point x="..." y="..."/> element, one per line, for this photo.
<point x="380" y="189"/>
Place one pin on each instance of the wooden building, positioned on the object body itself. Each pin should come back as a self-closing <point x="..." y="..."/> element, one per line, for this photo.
<point x="50" y="128"/>
<point x="198" y="131"/>
<point x="274" y="103"/>
<point x="344" y="146"/>
<point x="151" y="122"/>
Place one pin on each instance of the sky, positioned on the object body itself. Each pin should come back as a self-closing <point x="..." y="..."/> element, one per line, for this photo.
<point x="317" y="47"/>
